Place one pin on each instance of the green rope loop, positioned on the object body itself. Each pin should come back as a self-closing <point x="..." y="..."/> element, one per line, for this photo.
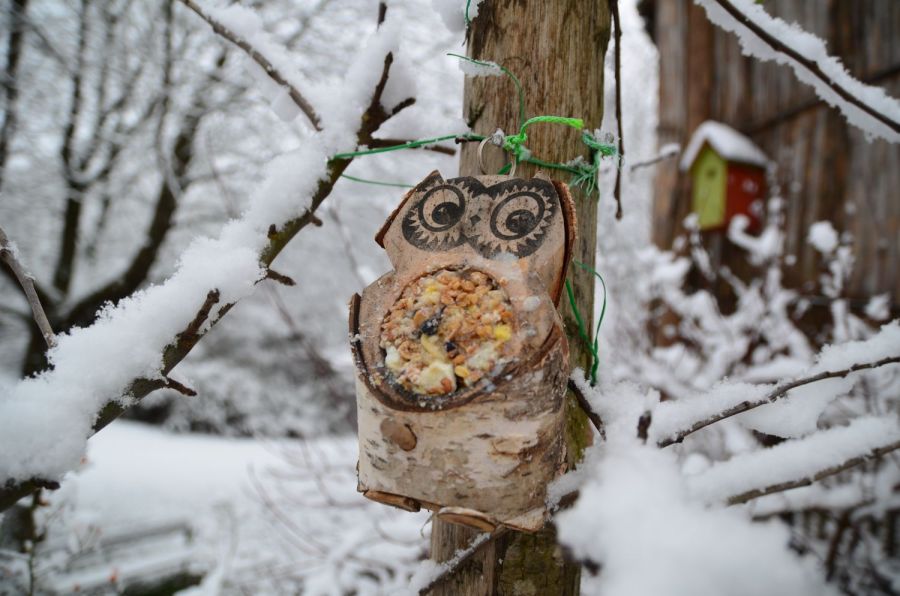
<point x="593" y="345"/>
<point x="584" y="172"/>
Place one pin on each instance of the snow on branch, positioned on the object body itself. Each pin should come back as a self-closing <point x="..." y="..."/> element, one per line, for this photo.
<point x="99" y="371"/>
<point x="767" y="38"/>
<point x="797" y="463"/>
<point x="675" y="420"/>
<point x="8" y="255"/>
<point x="254" y="43"/>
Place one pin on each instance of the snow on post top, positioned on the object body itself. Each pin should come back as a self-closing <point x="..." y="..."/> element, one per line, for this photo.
<point x="727" y="142"/>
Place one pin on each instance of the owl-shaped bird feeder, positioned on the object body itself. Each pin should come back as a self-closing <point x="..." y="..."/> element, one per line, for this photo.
<point x="460" y="353"/>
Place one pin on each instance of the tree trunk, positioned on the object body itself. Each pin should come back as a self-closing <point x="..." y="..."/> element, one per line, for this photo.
<point x="556" y="49"/>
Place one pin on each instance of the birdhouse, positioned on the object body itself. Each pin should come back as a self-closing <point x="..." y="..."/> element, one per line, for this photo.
<point x="460" y="354"/>
<point x="728" y="176"/>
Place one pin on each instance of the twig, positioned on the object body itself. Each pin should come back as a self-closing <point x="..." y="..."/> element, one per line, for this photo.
<point x="264" y="62"/>
<point x="643" y="425"/>
<point x="8" y="255"/>
<point x="478" y="544"/>
<point x="809" y="65"/>
<point x="593" y="416"/>
<point x="662" y="156"/>
<point x="279" y="277"/>
<point x="174" y="385"/>
<point x="617" y="190"/>
<point x="783" y="486"/>
<point x="774" y="395"/>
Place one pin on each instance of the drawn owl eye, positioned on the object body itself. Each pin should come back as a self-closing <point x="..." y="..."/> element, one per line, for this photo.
<point x="518" y="223"/>
<point x="431" y="224"/>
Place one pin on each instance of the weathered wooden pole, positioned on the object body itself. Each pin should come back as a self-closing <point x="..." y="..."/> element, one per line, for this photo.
<point x="556" y="49"/>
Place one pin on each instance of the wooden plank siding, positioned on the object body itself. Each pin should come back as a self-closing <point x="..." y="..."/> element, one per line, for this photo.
<point x="826" y="169"/>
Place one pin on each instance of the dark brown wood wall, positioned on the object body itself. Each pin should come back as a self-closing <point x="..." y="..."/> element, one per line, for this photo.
<point x="826" y="169"/>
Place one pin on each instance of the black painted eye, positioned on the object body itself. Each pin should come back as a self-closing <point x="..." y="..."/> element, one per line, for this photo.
<point x="518" y="222"/>
<point x="432" y="223"/>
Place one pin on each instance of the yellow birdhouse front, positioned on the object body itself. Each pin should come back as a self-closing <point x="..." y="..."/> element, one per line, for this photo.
<point x="727" y="172"/>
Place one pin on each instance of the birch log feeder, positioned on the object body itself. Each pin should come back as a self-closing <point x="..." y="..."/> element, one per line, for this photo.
<point x="461" y="359"/>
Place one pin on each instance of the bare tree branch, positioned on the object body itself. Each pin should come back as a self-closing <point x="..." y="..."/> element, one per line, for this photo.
<point x="16" y="11"/>
<point x="783" y="486"/>
<point x="8" y="255"/>
<point x="585" y="405"/>
<point x="773" y="396"/>
<point x="810" y="65"/>
<point x="264" y="62"/>
<point x="617" y="190"/>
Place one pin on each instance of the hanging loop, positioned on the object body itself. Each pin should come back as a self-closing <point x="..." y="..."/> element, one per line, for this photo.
<point x="513" y="164"/>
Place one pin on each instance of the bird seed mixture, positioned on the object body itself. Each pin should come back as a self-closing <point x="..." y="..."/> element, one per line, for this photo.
<point x="447" y="331"/>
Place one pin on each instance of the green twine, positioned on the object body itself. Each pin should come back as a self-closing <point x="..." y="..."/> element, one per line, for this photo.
<point x="593" y="345"/>
<point x="584" y="172"/>
<point x="515" y="144"/>
<point x="409" y="145"/>
<point x="376" y="182"/>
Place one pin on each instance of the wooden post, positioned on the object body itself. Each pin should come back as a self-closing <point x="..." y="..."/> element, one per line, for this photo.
<point x="556" y="49"/>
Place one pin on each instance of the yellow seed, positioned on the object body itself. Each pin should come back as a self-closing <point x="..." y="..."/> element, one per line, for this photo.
<point x="430" y="345"/>
<point x="502" y="332"/>
<point x="462" y="372"/>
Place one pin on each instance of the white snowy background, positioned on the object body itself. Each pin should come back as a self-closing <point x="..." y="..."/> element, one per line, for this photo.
<point x="264" y="500"/>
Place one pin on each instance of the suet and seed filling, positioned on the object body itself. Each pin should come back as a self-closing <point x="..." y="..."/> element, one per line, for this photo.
<point x="448" y="330"/>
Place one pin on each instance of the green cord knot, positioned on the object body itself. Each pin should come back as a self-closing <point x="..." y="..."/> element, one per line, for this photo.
<point x="515" y="144"/>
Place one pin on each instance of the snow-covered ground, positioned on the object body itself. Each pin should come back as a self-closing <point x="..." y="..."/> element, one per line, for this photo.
<point x="253" y="516"/>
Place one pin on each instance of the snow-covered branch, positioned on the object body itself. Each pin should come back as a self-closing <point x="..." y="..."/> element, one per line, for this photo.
<point x="876" y="453"/>
<point x="8" y="256"/>
<point x="748" y="404"/>
<point x="99" y="371"/>
<point x="797" y="463"/>
<point x="254" y="52"/>
<point x="769" y="38"/>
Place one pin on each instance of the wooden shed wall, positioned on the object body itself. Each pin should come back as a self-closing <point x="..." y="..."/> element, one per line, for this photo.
<point x="826" y="169"/>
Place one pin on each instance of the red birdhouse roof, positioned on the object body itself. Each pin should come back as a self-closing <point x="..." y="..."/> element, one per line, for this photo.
<point x="727" y="142"/>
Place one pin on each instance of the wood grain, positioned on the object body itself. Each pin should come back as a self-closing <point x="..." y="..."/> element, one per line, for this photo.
<point x="557" y="51"/>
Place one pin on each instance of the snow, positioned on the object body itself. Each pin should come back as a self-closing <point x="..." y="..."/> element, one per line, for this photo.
<point x="798" y="414"/>
<point x="452" y="13"/>
<point x="795" y="414"/>
<point x="760" y="249"/>
<point x="482" y="68"/>
<point x="813" y="49"/>
<point x="794" y="460"/>
<point x="94" y="365"/>
<point x="651" y="538"/>
<point x="727" y="142"/>
<point x="823" y="237"/>
<point x="266" y="518"/>
<point x="879" y="307"/>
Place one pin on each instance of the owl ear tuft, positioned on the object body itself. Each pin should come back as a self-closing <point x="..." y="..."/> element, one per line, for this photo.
<point x="430" y="180"/>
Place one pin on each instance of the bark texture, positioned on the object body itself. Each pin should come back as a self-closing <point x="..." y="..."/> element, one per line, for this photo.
<point x="556" y="49"/>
